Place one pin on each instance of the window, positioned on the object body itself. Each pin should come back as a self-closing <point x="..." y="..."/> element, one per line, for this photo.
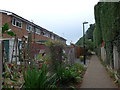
<point x="47" y="35"/>
<point x="52" y="37"/>
<point x="16" y="23"/>
<point x="29" y="28"/>
<point x="43" y="33"/>
<point x="37" y="31"/>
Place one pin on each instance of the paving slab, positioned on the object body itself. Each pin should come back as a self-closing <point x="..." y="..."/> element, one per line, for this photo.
<point x="96" y="76"/>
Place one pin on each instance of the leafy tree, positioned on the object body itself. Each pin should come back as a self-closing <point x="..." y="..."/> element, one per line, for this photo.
<point x="5" y="29"/>
<point x="89" y="32"/>
<point x="88" y="38"/>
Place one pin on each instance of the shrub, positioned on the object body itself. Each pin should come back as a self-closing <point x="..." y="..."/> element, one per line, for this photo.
<point x="79" y="67"/>
<point x="70" y="73"/>
<point x="64" y="74"/>
<point x="37" y="78"/>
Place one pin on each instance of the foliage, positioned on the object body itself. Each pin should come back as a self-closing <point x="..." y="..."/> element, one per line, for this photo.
<point x="79" y="67"/>
<point x="107" y="17"/>
<point x="56" y="53"/>
<point x="37" y="78"/>
<point x="5" y="29"/>
<point x="88" y="38"/>
<point x="89" y="45"/>
<point x="64" y="75"/>
<point x="80" y="42"/>
<point x="97" y="37"/>
<point x="70" y="73"/>
<point x="12" y="76"/>
<point x="89" y="32"/>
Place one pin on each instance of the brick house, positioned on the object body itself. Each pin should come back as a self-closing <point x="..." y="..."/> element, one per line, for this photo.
<point x="21" y="27"/>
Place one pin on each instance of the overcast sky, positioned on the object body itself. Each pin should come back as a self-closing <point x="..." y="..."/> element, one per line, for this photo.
<point x="63" y="17"/>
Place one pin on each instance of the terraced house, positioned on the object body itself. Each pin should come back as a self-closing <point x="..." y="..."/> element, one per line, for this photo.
<point x="21" y="27"/>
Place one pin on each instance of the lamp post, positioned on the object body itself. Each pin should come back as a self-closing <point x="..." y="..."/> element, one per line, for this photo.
<point x="84" y="42"/>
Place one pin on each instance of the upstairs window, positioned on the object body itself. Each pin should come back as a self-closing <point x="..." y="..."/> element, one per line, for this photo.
<point x="37" y="31"/>
<point x="43" y="33"/>
<point x="52" y="36"/>
<point x="17" y="23"/>
<point x="29" y="28"/>
<point x="47" y="34"/>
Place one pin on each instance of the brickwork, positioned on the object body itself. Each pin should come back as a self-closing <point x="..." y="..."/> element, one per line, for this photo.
<point x="20" y="32"/>
<point x="0" y="19"/>
<point x="38" y="48"/>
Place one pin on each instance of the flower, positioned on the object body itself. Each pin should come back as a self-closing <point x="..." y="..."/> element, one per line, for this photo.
<point x="40" y="65"/>
<point x="46" y="62"/>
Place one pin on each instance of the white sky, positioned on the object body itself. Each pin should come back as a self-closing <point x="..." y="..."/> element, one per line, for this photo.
<point x="63" y="17"/>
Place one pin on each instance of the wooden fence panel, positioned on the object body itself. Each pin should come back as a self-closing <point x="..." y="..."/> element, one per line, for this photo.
<point x="79" y="51"/>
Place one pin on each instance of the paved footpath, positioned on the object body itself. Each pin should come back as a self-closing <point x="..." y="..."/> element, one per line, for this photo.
<point x="96" y="76"/>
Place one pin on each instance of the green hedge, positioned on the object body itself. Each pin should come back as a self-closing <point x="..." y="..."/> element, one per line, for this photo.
<point x="107" y="18"/>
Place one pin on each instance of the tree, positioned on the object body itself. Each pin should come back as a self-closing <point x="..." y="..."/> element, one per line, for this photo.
<point x="5" y="29"/>
<point x="88" y="38"/>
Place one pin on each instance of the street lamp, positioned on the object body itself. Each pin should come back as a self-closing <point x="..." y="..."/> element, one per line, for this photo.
<point x="84" y="41"/>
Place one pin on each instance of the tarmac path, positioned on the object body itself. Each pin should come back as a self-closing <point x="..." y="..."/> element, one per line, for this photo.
<point x="96" y="76"/>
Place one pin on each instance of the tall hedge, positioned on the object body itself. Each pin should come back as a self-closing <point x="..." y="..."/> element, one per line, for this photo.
<point x="107" y="15"/>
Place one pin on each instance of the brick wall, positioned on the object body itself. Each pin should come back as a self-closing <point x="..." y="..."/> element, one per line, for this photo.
<point x="38" y="48"/>
<point x="20" y="31"/>
<point x="1" y="54"/>
<point x="0" y="19"/>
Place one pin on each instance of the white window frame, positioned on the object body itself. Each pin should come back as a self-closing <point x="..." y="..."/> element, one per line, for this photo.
<point x="28" y="27"/>
<point x="43" y="33"/>
<point x="36" y="31"/>
<point x="15" y="23"/>
<point x="47" y="34"/>
<point x="52" y="37"/>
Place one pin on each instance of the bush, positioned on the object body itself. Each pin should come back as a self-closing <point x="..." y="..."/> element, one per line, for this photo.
<point x="70" y="73"/>
<point x="64" y="74"/>
<point x="37" y="78"/>
<point x="79" y="67"/>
